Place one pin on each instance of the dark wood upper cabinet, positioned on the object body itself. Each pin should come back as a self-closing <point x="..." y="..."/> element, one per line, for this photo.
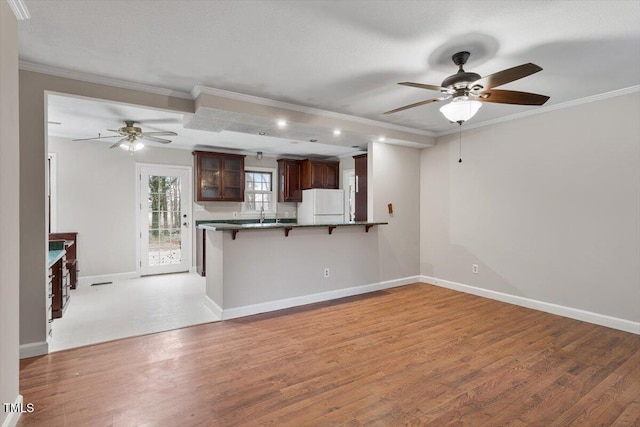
<point x="332" y="171"/>
<point x="361" y="187"/>
<point x="319" y="174"/>
<point x="219" y="177"/>
<point x="289" y="180"/>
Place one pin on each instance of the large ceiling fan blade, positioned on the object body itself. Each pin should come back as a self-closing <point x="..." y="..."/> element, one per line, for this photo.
<point x="116" y="131"/>
<point x="506" y="76"/>
<point x="425" y="86"/>
<point x="154" y="139"/>
<point x="97" y="138"/>
<point x="162" y="133"/>
<point x="417" y="104"/>
<point x="512" y="97"/>
<point x="118" y="143"/>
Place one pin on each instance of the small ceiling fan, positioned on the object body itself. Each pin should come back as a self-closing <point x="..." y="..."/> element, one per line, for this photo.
<point x="468" y="91"/>
<point x="130" y="135"/>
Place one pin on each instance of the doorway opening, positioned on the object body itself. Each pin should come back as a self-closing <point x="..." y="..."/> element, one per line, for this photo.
<point x="96" y="193"/>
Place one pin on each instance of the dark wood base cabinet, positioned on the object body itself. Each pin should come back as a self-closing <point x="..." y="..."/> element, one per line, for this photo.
<point x="201" y="254"/>
<point x="50" y="296"/>
<point x="71" y="247"/>
<point x="60" y="287"/>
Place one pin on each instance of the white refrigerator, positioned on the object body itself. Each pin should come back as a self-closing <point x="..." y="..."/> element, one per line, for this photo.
<point x="321" y="206"/>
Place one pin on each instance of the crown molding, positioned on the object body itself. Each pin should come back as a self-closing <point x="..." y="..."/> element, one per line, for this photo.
<point x="198" y="90"/>
<point x="542" y="110"/>
<point x="101" y="80"/>
<point x="19" y="9"/>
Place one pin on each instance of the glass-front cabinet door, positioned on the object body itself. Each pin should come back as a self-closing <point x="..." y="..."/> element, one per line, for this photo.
<point x="219" y="176"/>
<point x="233" y="171"/>
<point x="210" y="175"/>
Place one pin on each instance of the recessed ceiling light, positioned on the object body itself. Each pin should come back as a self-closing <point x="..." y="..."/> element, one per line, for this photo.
<point x="337" y="132"/>
<point x="382" y="139"/>
<point x="313" y="140"/>
<point x="261" y="133"/>
<point x="282" y="123"/>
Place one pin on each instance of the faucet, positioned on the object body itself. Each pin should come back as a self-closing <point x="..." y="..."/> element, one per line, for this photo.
<point x="262" y="214"/>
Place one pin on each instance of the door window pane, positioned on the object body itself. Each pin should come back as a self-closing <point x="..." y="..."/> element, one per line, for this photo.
<point x="164" y="220"/>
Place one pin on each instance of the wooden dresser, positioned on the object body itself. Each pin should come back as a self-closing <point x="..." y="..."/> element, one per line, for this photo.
<point x="71" y="246"/>
<point x="58" y="280"/>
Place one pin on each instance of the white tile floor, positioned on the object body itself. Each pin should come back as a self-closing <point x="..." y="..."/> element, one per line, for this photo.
<point x="132" y="307"/>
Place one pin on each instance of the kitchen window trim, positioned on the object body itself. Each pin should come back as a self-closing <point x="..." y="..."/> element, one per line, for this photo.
<point x="244" y="212"/>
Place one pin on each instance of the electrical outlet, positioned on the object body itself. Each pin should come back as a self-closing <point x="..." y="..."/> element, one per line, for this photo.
<point x="474" y="268"/>
<point x="235" y="214"/>
<point x="326" y="272"/>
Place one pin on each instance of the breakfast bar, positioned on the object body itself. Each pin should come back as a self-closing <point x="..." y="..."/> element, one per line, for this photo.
<point x="253" y="268"/>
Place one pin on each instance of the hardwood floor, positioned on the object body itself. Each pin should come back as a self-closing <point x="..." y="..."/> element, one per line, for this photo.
<point x="416" y="355"/>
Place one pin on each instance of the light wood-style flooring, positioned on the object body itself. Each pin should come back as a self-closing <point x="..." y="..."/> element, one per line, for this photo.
<point x="415" y="355"/>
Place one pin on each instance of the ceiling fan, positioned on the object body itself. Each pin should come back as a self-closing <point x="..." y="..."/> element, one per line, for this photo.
<point x="468" y="91"/>
<point x="130" y="135"/>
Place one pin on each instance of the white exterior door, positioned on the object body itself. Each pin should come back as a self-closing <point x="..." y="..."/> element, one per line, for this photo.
<point x="164" y="219"/>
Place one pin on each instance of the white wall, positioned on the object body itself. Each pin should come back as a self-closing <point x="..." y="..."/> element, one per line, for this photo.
<point x="394" y="177"/>
<point x="9" y="213"/>
<point x="547" y="205"/>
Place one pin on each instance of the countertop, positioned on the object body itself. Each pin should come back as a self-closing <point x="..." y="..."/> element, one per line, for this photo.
<point x="287" y="226"/>
<point x="54" y="255"/>
<point x="269" y="225"/>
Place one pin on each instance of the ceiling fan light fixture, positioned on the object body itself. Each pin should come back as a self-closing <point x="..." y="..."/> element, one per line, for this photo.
<point x="460" y="110"/>
<point x="132" y="146"/>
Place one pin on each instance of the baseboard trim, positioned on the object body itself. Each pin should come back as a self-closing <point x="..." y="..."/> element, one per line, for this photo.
<point x="34" y="349"/>
<point x="13" y="417"/>
<point x="560" y="310"/>
<point x="88" y="280"/>
<point x="265" y="307"/>
<point x="211" y="305"/>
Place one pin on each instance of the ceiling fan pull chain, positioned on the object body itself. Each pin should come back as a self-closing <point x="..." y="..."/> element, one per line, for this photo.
<point x="460" y="144"/>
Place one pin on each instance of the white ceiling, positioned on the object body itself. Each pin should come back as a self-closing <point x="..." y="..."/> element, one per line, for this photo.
<point x="85" y="118"/>
<point x="341" y="56"/>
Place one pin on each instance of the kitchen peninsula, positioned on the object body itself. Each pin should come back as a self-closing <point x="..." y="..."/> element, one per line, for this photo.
<point x="256" y="268"/>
